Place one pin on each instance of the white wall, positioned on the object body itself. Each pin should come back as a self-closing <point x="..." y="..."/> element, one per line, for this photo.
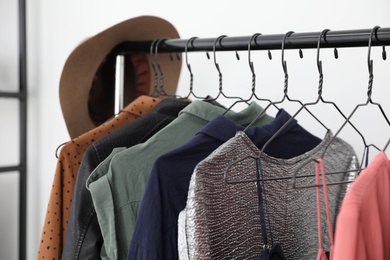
<point x="56" y="27"/>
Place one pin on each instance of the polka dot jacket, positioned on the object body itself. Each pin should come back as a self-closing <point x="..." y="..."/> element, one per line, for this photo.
<point x="69" y="160"/>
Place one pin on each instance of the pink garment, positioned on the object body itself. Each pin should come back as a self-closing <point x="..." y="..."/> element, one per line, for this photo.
<point x="321" y="253"/>
<point x="363" y="223"/>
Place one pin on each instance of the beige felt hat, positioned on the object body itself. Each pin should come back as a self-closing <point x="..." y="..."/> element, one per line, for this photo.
<point x="94" y="56"/>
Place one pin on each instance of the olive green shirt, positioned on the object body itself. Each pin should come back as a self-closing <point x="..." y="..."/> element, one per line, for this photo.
<point x="117" y="193"/>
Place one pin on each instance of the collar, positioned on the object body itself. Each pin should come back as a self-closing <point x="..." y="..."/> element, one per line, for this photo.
<point x="222" y="128"/>
<point x="208" y="112"/>
<point x="171" y="106"/>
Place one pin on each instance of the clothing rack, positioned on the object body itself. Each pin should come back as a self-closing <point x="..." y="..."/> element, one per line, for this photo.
<point x="332" y="39"/>
<point x="21" y="95"/>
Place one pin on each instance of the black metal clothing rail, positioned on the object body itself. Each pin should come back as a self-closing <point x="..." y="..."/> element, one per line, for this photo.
<point x="332" y="39"/>
<point x="21" y="95"/>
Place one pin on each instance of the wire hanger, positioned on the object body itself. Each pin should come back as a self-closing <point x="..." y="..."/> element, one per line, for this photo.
<point x="285" y="91"/>
<point x="158" y="88"/>
<point x="191" y="92"/>
<point x="369" y="101"/>
<point x="295" y="176"/>
<point x="285" y="96"/>
<point x="162" y="89"/>
<point x="319" y="97"/>
<point x="251" y="66"/>
<point x="218" y="40"/>
<point x="321" y="76"/>
<point x="156" y="91"/>
<point x="369" y="98"/>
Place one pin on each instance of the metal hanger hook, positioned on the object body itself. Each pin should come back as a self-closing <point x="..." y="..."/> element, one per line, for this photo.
<point x="284" y="63"/>
<point x="218" y="40"/>
<point x="154" y="68"/>
<point x="319" y="62"/>
<point x="159" y="41"/>
<point x="159" y="64"/>
<point x="190" y="41"/>
<point x="151" y="49"/>
<point x="370" y="62"/>
<point x="254" y="37"/>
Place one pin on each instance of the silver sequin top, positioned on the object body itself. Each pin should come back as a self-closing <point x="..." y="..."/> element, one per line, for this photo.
<point x="221" y="220"/>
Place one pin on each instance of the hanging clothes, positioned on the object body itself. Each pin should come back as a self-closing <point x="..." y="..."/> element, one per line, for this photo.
<point x="363" y="224"/>
<point x="69" y="160"/>
<point x="167" y="188"/>
<point x="129" y="170"/>
<point x="167" y="193"/>
<point x="322" y="255"/>
<point x="222" y="219"/>
<point x="83" y="238"/>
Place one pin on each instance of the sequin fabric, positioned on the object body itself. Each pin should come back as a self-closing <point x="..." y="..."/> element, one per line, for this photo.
<point x="221" y="220"/>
